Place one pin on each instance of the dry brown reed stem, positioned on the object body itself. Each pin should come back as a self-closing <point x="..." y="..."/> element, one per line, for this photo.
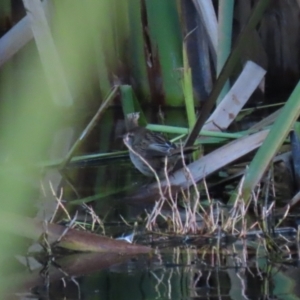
<point x="267" y="187"/>
<point x="156" y="211"/>
<point x="95" y="218"/>
<point x="257" y="259"/>
<point x="70" y="225"/>
<point x="284" y="216"/>
<point x="238" y="214"/>
<point x="273" y="185"/>
<point x="125" y="222"/>
<point x="243" y="216"/>
<point x="191" y="219"/>
<point x="59" y="203"/>
<point x="292" y="202"/>
<point x="288" y="251"/>
<point x="245" y="255"/>
<point x="190" y="224"/>
<point x="176" y="219"/>
<point x="268" y="211"/>
<point x="187" y="207"/>
<point x="211" y="218"/>
<point x="244" y="209"/>
<point x="188" y="214"/>
<point x="88" y="129"/>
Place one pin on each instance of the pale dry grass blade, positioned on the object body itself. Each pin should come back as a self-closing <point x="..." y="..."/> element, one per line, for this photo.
<point x="209" y="19"/>
<point x="176" y="219"/>
<point x="265" y="122"/>
<point x="95" y="218"/>
<point x="236" y="98"/>
<point x="17" y="37"/>
<point x="217" y="159"/>
<point x="192" y="202"/>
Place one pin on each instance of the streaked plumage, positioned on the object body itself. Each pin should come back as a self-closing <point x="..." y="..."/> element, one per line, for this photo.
<point x="153" y="147"/>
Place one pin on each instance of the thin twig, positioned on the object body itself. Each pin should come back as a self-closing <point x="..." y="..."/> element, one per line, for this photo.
<point x="89" y="127"/>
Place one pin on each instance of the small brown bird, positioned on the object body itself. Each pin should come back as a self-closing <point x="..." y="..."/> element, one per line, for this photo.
<point x="151" y="146"/>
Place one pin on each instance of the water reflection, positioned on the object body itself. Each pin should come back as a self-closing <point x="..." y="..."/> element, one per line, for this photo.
<point x="170" y="273"/>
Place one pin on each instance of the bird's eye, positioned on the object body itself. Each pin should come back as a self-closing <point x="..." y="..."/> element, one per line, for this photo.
<point x="129" y="136"/>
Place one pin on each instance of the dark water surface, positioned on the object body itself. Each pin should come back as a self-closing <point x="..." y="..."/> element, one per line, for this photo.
<point x="172" y="273"/>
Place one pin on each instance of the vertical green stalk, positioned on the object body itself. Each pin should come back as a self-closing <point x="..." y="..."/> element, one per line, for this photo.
<point x="121" y="26"/>
<point x="127" y="99"/>
<point x="188" y="94"/>
<point x="166" y="44"/>
<point x="130" y="103"/>
<point x="225" y="18"/>
<point x="188" y="89"/>
<point x="289" y="114"/>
